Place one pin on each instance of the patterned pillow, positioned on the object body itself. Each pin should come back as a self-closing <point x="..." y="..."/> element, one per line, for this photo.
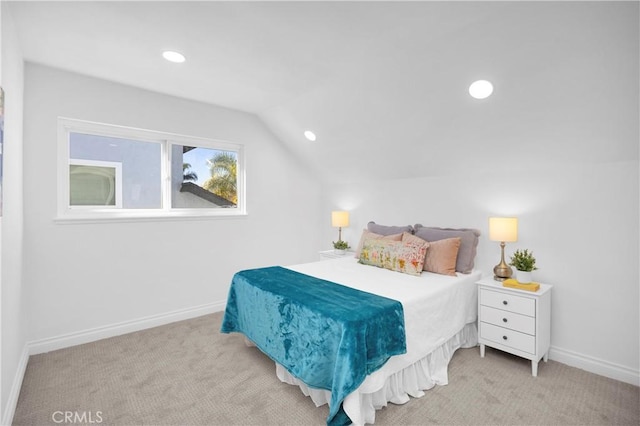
<point x="394" y="255"/>
<point x="410" y="238"/>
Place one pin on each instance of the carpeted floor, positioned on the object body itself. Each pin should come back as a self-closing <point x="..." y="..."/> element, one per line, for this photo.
<point x="187" y="373"/>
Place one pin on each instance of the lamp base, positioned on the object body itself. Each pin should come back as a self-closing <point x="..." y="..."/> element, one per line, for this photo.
<point x="502" y="272"/>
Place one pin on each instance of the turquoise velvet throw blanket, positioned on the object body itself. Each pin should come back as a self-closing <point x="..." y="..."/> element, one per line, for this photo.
<point x="328" y="335"/>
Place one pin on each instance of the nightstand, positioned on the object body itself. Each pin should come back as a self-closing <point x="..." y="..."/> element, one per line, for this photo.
<point x="331" y="254"/>
<point x="515" y="321"/>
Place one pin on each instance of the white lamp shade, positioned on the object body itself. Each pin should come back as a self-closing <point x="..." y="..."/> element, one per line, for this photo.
<point x="339" y="219"/>
<point x="503" y="229"/>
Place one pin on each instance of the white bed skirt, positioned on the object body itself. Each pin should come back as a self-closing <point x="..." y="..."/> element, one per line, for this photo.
<point x="410" y="381"/>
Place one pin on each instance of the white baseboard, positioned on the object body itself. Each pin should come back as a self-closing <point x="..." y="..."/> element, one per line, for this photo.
<point x="595" y="365"/>
<point x="99" y="333"/>
<point x="14" y="393"/>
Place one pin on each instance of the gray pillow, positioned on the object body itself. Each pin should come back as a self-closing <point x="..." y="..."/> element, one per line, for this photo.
<point x="468" y="243"/>
<point x="388" y="230"/>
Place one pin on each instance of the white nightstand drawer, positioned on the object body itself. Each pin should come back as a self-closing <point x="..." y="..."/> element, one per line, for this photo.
<point x="506" y="337"/>
<point x="508" y="302"/>
<point x="506" y="319"/>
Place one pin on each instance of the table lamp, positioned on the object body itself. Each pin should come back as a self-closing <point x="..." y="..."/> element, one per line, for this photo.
<point x="339" y="219"/>
<point x="503" y="229"/>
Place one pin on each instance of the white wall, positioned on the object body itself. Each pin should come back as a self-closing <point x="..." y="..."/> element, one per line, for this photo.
<point x="13" y="308"/>
<point x="581" y="221"/>
<point x="83" y="277"/>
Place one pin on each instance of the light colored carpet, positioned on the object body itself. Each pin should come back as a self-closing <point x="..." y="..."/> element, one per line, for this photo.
<point x="188" y="373"/>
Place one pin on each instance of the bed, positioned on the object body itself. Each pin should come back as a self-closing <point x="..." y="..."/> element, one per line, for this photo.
<point x="429" y="315"/>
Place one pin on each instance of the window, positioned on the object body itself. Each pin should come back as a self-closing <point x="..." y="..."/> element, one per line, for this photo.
<point x="114" y="172"/>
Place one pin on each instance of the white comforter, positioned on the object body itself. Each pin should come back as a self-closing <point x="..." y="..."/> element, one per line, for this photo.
<point x="436" y="308"/>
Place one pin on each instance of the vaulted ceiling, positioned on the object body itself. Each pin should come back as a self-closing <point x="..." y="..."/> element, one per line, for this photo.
<point x="382" y="84"/>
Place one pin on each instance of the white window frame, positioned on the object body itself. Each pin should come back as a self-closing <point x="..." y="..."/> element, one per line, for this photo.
<point x="67" y="213"/>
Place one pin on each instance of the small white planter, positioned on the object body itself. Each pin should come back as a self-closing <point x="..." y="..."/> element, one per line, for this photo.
<point x="339" y="251"/>
<point x="524" y="277"/>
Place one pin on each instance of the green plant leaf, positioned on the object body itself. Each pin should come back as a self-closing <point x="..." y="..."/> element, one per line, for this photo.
<point x="523" y="260"/>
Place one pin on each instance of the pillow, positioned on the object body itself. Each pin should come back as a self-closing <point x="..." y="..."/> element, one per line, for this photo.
<point x="368" y="235"/>
<point x="410" y="238"/>
<point x="388" y="230"/>
<point x="441" y="256"/>
<point x="468" y="243"/>
<point x="394" y="255"/>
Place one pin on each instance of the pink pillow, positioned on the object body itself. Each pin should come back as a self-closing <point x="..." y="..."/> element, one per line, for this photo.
<point x="442" y="255"/>
<point x="368" y="235"/>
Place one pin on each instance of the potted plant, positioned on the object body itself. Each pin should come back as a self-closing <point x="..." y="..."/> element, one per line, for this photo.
<point x="525" y="263"/>
<point x="340" y="247"/>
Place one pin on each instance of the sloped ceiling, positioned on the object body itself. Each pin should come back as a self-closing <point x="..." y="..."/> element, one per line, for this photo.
<point x="382" y="84"/>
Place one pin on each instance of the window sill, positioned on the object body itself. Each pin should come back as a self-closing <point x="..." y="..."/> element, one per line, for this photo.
<point x="145" y="216"/>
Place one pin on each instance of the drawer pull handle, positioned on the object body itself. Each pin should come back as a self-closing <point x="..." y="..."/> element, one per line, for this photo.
<point x="504" y="320"/>
<point x="504" y="337"/>
<point x="504" y="302"/>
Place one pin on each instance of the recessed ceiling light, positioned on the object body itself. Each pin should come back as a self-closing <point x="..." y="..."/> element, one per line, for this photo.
<point x="172" y="56"/>
<point x="481" y="89"/>
<point x="310" y="135"/>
